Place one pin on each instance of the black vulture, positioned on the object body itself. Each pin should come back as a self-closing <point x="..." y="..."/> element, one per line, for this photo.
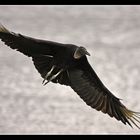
<point x="67" y="64"/>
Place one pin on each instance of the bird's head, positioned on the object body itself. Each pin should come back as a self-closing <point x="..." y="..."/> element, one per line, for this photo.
<point x="80" y="51"/>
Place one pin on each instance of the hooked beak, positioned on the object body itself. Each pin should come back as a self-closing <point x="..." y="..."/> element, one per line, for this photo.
<point x="87" y="53"/>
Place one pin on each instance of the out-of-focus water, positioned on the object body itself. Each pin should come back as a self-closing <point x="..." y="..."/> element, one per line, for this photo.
<point x="112" y="36"/>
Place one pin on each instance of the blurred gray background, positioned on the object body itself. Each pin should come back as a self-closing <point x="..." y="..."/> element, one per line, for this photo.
<point x="110" y="33"/>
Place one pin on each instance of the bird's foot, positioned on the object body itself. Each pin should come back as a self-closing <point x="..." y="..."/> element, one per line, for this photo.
<point x="52" y="77"/>
<point x="45" y="83"/>
<point x="47" y="75"/>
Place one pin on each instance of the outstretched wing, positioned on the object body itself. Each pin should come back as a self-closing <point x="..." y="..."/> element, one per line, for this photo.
<point x="88" y="86"/>
<point x="41" y="51"/>
<point x="27" y="45"/>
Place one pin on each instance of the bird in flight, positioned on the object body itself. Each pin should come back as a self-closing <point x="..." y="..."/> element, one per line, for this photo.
<point x="67" y="64"/>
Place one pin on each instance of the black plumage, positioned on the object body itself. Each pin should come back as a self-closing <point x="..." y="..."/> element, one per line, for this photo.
<point x="67" y="64"/>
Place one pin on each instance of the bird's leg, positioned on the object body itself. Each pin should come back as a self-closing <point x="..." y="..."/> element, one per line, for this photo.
<point x="53" y="77"/>
<point x="49" y="73"/>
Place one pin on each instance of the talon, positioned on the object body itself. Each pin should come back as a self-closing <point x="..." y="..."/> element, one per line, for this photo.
<point x="46" y="83"/>
<point x="43" y="81"/>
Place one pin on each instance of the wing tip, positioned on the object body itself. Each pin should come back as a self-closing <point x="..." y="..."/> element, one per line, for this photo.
<point x="131" y="116"/>
<point x="3" y="29"/>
